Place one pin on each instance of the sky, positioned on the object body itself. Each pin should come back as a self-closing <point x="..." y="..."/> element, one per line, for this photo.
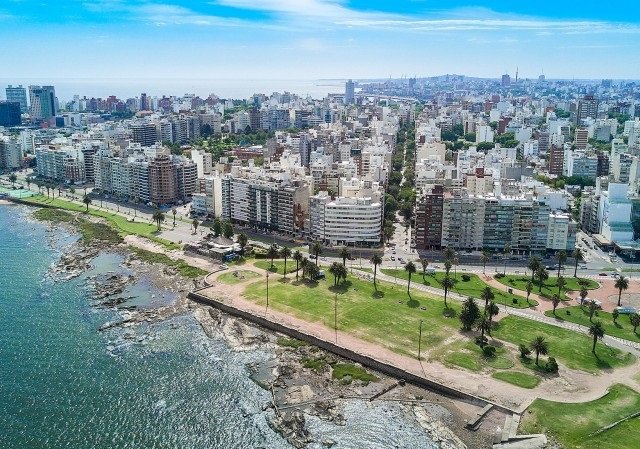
<point x="317" y="39"/>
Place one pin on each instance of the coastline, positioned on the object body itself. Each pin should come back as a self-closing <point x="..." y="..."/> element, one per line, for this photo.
<point x="433" y="414"/>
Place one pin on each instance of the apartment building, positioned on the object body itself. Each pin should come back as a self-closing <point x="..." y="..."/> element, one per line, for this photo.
<point x="429" y="215"/>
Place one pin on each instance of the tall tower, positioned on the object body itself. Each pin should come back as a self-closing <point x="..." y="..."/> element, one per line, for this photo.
<point x="18" y="95"/>
<point x="43" y="102"/>
<point x="349" y="92"/>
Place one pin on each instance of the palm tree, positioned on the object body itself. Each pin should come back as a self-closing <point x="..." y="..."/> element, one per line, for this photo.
<point x="344" y="255"/>
<point x="542" y="275"/>
<point x="13" y="178"/>
<point x="342" y="272"/>
<point x="534" y="265"/>
<point x="86" y="200"/>
<point x="28" y="181"/>
<point x="158" y="217"/>
<point x="487" y="295"/>
<point x="507" y="250"/>
<point x="539" y="346"/>
<point x="272" y="253"/>
<point x="425" y="263"/>
<point x="316" y="249"/>
<point x="484" y="325"/>
<point x="592" y="310"/>
<point x="615" y="314"/>
<point x="447" y="267"/>
<point x="597" y="332"/>
<point x="562" y="257"/>
<point x="242" y="240"/>
<point x="561" y="283"/>
<point x="491" y="311"/>
<point x="312" y="271"/>
<point x="334" y="269"/>
<point x="297" y="256"/>
<point x="375" y="260"/>
<point x="583" y="295"/>
<point x="622" y="283"/>
<point x="410" y="268"/>
<point x="578" y="256"/>
<point x="634" y="318"/>
<point x="304" y="265"/>
<point x="529" y="290"/>
<point x="447" y="284"/>
<point x="285" y="253"/>
<point x="484" y="258"/>
<point x="556" y="302"/>
<point x="195" y="224"/>
<point x="174" y="212"/>
<point x="449" y="253"/>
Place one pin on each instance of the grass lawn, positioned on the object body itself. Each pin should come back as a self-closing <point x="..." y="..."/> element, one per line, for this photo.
<point x="291" y="342"/>
<point x="119" y="223"/>
<point x="183" y="268"/>
<point x="550" y="286"/>
<point x="466" y="354"/>
<point x="89" y="230"/>
<point x="237" y="276"/>
<point x="340" y="370"/>
<point x="517" y="378"/>
<point x="278" y="265"/>
<point x="388" y="317"/>
<point x="573" y="424"/>
<point x="570" y="348"/>
<point x="623" y="328"/>
<point x="473" y="287"/>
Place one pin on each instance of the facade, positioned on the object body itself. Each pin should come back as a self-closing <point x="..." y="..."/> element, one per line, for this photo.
<point x="561" y="235"/>
<point x="146" y="134"/>
<point x="10" y="113"/>
<point x="19" y="95"/>
<point x="349" y="92"/>
<point x="62" y="165"/>
<point x="10" y="154"/>
<point x="461" y="228"/>
<point x="43" y="102"/>
<point x="428" y="228"/>
<point x="587" y="108"/>
<point x="556" y="160"/>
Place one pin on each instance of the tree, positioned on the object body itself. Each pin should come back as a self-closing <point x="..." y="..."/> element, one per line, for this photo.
<point x="534" y="264"/>
<point x="29" y="180"/>
<point x="447" y="284"/>
<point x="615" y="314"/>
<point x="344" y="255"/>
<point x="195" y="223"/>
<point x="529" y="290"/>
<point x="316" y="249"/>
<point x="425" y="263"/>
<point x="556" y="302"/>
<point x="561" y="283"/>
<point x="484" y="258"/>
<point x="592" y="310"/>
<point x="469" y="314"/>
<point x="484" y="325"/>
<point x="304" y="265"/>
<point x="449" y="253"/>
<point x="375" y="260"/>
<point x="272" y="253"/>
<point x="342" y="272"/>
<point x="158" y="217"/>
<point x="174" y="212"/>
<point x="86" y="200"/>
<point x="410" y="268"/>
<point x="622" y="283"/>
<point x="578" y="256"/>
<point x="447" y="267"/>
<point x="583" y="295"/>
<point x="596" y="330"/>
<point x="297" y="256"/>
<point x="539" y="346"/>
<point x="242" y="240"/>
<point x="542" y="275"/>
<point x="73" y="192"/>
<point x="634" y="318"/>
<point x="487" y="295"/>
<point x="227" y="230"/>
<point x="334" y="269"/>
<point x="562" y="258"/>
<point x="285" y="253"/>
<point x="217" y="227"/>
<point x="312" y="271"/>
<point x="13" y="178"/>
<point x="507" y="250"/>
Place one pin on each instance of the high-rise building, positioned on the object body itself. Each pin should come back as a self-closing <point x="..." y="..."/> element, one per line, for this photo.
<point x="506" y="80"/>
<point x="587" y="108"/>
<point x="43" y="102"/>
<point x="162" y="178"/>
<point x="349" y="92"/>
<point x="556" y="159"/>
<point x="144" y="102"/>
<point x="10" y="153"/>
<point x="146" y="134"/>
<point x="9" y="113"/>
<point x="18" y="94"/>
<point x="428" y="228"/>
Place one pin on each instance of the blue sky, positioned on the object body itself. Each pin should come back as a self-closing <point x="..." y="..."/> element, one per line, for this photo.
<point x="312" y="39"/>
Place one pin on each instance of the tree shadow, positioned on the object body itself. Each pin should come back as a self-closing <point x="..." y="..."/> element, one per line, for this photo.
<point x="602" y="364"/>
<point x="273" y="269"/>
<point x="377" y="294"/>
<point x="284" y="280"/>
<point x="342" y="287"/>
<point x="449" y="312"/>
<point x="413" y="303"/>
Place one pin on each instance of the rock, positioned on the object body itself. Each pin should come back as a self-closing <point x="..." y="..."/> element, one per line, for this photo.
<point x="299" y="394"/>
<point x="328" y="443"/>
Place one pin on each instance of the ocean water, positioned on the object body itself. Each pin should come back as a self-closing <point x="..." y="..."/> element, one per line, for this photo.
<point x="64" y="384"/>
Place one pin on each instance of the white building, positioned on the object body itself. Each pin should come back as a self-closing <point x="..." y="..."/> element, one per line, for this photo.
<point x="561" y="234"/>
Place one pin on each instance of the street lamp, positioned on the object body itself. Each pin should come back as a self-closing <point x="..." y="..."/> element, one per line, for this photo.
<point x="335" y="316"/>
<point x="420" y="339"/>
<point x="266" y="308"/>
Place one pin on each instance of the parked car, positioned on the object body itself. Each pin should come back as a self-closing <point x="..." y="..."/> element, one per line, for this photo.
<point x="626" y="310"/>
<point x="603" y="274"/>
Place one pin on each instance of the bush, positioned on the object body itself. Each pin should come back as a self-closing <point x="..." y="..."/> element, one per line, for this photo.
<point x="583" y="282"/>
<point x="499" y="275"/>
<point x="480" y="340"/>
<point x="466" y="277"/>
<point x="514" y="300"/>
<point x="551" y="366"/>
<point x="524" y="351"/>
<point x="489" y="351"/>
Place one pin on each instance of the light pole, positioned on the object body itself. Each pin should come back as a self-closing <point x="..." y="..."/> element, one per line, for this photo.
<point x="267" y="307"/>
<point x="420" y="339"/>
<point x="335" y="316"/>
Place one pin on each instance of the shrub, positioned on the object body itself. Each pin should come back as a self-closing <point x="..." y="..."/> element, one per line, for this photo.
<point x="466" y="277"/>
<point x="489" y="351"/>
<point x="524" y="351"/>
<point x="551" y="366"/>
<point x="481" y="340"/>
<point x="514" y="300"/>
<point x="583" y="282"/>
<point x="499" y="275"/>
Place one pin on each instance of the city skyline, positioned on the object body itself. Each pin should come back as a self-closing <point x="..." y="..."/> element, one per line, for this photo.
<point x="347" y="39"/>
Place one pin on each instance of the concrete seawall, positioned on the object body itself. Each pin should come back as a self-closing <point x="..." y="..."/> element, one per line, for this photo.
<point x="364" y="360"/>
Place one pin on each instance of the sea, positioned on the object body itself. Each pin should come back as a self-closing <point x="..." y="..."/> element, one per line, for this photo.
<point x="65" y="384"/>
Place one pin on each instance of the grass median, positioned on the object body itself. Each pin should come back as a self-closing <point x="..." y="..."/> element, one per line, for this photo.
<point x="472" y="287"/>
<point x="550" y="286"/>
<point x="622" y="328"/>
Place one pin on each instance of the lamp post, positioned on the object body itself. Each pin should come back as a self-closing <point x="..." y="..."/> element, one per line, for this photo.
<point x="420" y="339"/>
<point x="267" y="307"/>
<point x="335" y="316"/>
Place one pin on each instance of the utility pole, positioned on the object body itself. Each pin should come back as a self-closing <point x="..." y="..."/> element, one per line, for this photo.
<point x="420" y="339"/>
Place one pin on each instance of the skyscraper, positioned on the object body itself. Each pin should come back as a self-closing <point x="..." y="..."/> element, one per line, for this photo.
<point x="349" y="92"/>
<point x="587" y="108"/>
<point x="9" y="113"/>
<point x="144" y="102"/>
<point x="43" y="102"/>
<point x="18" y="95"/>
<point x="506" y="80"/>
